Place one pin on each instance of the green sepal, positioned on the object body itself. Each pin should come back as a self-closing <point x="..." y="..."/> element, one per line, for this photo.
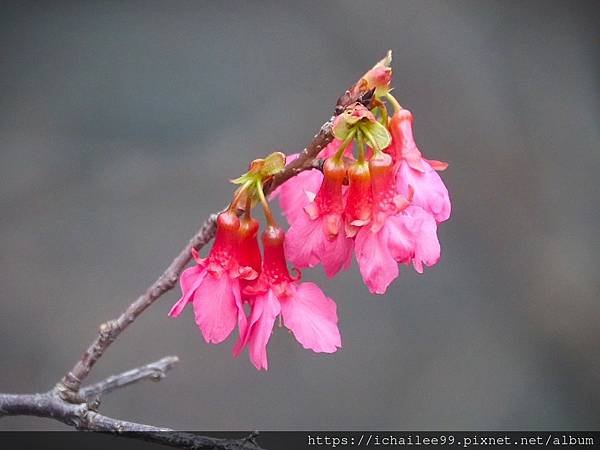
<point x="262" y="169"/>
<point x="347" y="122"/>
<point x="377" y="136"/>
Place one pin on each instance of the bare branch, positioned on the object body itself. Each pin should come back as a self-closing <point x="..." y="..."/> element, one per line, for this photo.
<point x="83" y="417"/>
<point x="153" y="371"/>
<point x="109" y="331"/>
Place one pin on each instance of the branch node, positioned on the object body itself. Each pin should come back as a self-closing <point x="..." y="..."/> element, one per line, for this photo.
<point x="68" y="390"/>
<point x="93" y="403"/>
<point x="107" y="328"/>
<point x="172" y="280"/>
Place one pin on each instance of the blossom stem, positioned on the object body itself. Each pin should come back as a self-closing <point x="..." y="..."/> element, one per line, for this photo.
<point x="383" y="110"/>
<point x="248" y="207"/>
<point x="265" y="204"/>
<point x="394" y="102"/>
<point x="370" y="140"/>
<point x="360" y="143"/>
<point x="238" y="195"/>
<point x="340" y="152"/>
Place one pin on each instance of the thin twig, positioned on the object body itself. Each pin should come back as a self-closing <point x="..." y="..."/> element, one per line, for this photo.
<point x="153" y="371"/>
<point x="109" y="331"/>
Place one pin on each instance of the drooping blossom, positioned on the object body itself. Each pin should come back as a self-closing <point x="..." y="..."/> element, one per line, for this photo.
<point x="415" y="172"/>
<point x="300" y="190"/>
<point x="376" y="262"/>
<point x="324" y="233"/>
<point x="306" y="311"/>
<point x="398" y="232"/>
<point x="213" y="284"/>
<point x="317" y="234"/>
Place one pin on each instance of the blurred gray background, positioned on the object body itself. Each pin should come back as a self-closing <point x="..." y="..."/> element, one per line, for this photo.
<point x="120" y="124"/>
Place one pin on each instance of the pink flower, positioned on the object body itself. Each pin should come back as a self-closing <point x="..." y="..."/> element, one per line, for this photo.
<point x="317" y="234"/>
<point x="213" y="284"/>
<point x="416" y="172"/>
<point x="389" y="210"/>
<point x="377" y="265"/>
<point x="419" y="225"/>
<point x="409" y="236"/>
<point x="300" y="190"/>
<point x="306" y="311"/>
<point x="398" y="232"/>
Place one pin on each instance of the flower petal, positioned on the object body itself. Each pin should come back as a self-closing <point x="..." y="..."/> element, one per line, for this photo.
<point x="400" y="238"/>
<point x="264" y="311"/>
<point x="297" y="192"/>
<point x="242" y="322"/>
<point x="427" y="246"/>
<point x="189" y="280"/>
<point x="303" y="241"/>
<point x="312" y="317"/>
<point x="215" y="307"/>
<point x="375" y="261"/>
<point x="337" y="254"/>
<point x="440" y="166"/>
<point x="413" y="236"/>
<point x="430" y="192"/>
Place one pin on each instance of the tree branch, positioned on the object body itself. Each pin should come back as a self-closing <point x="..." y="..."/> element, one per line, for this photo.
<point x="109" y="331"/>
<point x="153" y="371"/>
<point x="71" y="404"/>
<point x="84" y="417"/>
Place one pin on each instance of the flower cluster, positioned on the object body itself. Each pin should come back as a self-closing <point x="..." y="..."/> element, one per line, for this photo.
<point x="235" y="274"/>
<point x="376" y="196"/>
<point x="384" y="204"/>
